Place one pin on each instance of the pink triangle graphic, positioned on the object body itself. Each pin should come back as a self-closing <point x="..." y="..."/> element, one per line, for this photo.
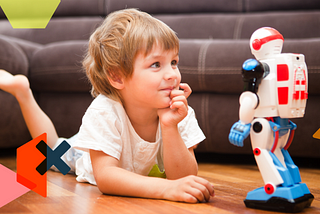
<point x="10" y="189"/>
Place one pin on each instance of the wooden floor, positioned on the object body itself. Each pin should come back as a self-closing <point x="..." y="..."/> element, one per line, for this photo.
<point x="232" y="182"/>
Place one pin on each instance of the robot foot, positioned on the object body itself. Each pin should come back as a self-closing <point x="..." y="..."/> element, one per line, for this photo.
<point x="284" y="199"/>
<point x="281" y="204"/>
<point x="310" y="198"/>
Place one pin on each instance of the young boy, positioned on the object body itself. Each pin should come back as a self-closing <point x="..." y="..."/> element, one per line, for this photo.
<point x="140" y="120"/>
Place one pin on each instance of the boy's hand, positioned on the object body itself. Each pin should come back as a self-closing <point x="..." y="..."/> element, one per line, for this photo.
<point x="178" y="108"/>
<point x="190" y="189"/>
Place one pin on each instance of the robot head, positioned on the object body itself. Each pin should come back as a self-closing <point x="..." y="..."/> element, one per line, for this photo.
<point x="265" y="43"/>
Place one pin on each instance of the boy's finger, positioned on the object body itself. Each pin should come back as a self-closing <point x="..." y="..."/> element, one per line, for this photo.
<point x="197" y="193"/>
<point x="179" y="99"/>
<point x="186" y="88"/>
<point x="175" y="93"/>
<point x="180" y="106"/>
<point x="204" y="190"/>
<point x="207" y="184"/>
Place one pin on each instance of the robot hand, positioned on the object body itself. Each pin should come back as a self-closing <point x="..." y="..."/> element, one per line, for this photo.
<point x="239" y="131"/>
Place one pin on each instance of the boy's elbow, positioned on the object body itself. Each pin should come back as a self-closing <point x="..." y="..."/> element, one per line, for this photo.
<point x="104" y="187"/>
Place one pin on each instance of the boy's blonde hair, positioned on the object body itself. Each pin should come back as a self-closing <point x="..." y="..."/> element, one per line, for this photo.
<point x="115" y="44"/>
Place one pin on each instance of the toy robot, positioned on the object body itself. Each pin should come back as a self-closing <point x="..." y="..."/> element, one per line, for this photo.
<point x="275" y="89"/>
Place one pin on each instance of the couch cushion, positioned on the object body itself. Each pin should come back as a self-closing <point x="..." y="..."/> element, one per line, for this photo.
<point x="26" y="46"/>
<point x="12" y="57"/>
<point x="206" y="66"/>
<point x="202" y="26"/>
<point x="57" y="68"/>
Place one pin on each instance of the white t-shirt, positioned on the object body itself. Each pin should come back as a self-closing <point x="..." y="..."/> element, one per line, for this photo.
<point x="107" y="128"/>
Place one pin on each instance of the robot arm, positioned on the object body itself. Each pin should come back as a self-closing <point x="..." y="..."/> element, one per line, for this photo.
<point x="252" y="73"/>
<point x="241" y="129"/>
<point x="248" y="102"/>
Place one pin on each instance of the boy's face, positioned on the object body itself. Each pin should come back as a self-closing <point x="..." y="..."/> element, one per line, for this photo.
<point x="154" y="77"/>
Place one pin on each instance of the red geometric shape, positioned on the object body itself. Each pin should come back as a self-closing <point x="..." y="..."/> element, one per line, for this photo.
<point x="296" y="95"/>
<point x="282" y="72"/>
<point x="304" y="95"/>
<point x="10" y="189"/>
<point x="256" y="44"/>
<point x="283" y="95"/>
<point x="28" y="158"/>
<point x="256" y="151"/>
<point x="269" y="188"/>
<point x="29" y="184"/>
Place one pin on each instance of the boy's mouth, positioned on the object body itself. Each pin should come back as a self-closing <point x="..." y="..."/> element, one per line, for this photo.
<point x="170" y="88"/>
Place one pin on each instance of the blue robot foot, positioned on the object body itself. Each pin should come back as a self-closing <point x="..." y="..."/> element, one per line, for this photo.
<point x="284" y="199"/>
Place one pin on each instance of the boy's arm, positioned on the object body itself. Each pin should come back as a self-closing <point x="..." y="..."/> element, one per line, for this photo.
<point x="179" y="161"/>
<point x="113" y="180"/>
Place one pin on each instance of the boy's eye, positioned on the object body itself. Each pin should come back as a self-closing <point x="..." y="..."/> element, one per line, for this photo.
<point x="174" y="62"/>
<point x="155" y="65"/>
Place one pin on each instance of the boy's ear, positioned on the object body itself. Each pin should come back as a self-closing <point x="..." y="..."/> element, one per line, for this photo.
<point x="116" y="81"/>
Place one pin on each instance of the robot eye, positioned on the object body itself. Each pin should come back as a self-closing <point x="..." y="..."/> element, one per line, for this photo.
<point x="256" y="44"/>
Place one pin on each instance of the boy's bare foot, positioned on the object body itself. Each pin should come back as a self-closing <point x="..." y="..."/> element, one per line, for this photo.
<point x="17" y="85"/>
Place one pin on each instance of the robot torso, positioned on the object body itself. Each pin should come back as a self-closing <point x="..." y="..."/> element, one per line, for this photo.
<point x="283" y="92"/>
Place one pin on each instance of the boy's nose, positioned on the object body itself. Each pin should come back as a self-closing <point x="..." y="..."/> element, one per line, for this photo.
<point x="171" y="74"/>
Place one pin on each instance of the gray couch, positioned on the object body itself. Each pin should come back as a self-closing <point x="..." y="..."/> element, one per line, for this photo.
<point x="214" y="39"/>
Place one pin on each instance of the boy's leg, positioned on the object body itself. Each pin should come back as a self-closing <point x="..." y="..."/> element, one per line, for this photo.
<point x="37" y="121"/>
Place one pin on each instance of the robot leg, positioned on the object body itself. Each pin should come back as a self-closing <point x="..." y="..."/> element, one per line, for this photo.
<point x="279" y="193"/>
<point x="294" y="171"/>
<point x="262" y="140"/>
